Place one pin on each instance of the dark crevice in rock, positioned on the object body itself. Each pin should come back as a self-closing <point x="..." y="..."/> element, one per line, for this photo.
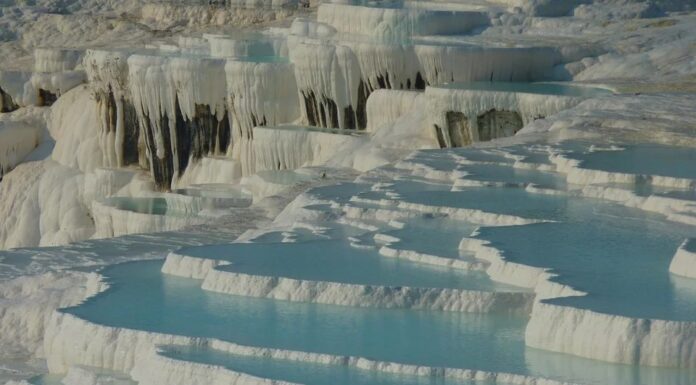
<point x="348" y="117"/>
<point x="333" y="113"/>
<point x="200" y="136"/>
<point x="440" y="137"/>
<point x="310" y="102"/>
<point x="420" y="83"/>
<point x="162" y="168"/>
<point x="361" y="108"/>
<point x="7" y="104"/>
<point x="46" y="98"/>
<point x="131" y="134"/>
<point x="131" y="127"/>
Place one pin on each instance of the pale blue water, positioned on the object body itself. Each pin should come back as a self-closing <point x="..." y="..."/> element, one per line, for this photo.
<point x="611" y="251"/>
<point x="642" y="159"/>
<point x="304" y="373"/>
<point x="498" y="200"/>
<point x="483" y="155"/>
<point x="532" y="153"/>
<point x="506" y="174"/>
<point x="435" y="159"/>
<point x="141" y="298"/>
<point x="620" y="256"/>
<point x="534" y="88"/>
<point x="153" y="206"/>
<point x="336" y="261"/>
<point x="220" y="191"/>
<point x="433" y="235"/>
<point x="340" y="192"/>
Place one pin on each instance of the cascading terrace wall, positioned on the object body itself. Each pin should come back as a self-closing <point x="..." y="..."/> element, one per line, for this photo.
<point x="163" y="110"/>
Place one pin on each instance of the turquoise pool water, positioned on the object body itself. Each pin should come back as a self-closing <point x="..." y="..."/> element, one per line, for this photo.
<point x="433" y="235"/>
<point x="142" y="298"/>
<point x="533" y="88"/>
<point x="506" y="174"/>
<point x="336" y="261"/>
<point x="608" y="250"/>
<point x="302" y="372"/>
<point x="620" y="256"/>
<point x="641" y="159"/>
<point x="152" y="206"/>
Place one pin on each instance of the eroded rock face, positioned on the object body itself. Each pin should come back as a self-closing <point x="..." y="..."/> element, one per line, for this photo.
<point x="458" y="129"/>
<point x="6" y="102"/>
<point x="498" y="124"/>
<point x="493" y="124"/>
<point x="203" y="135"/>
<point x="46" y="98"/>
<point x="322" y="111"/>
<point x="119" y="110"/>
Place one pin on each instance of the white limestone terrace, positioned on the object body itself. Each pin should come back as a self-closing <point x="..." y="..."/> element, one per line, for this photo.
<point x="55" y="71"/>
<point x="367" y="63"/>
<point x="465" y="113"/>
<point x="636" y="346"/>
<point x="652" y="344"/>
<point x="148" y="109"/>
<point x="100" y="150"/>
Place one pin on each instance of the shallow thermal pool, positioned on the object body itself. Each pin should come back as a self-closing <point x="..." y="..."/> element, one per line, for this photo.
<point x="533" y="88"/>
<point x="337" y="261"/>
<point x="620" y="256"/>
<point x="640" y="159"/>
<point x="143" y="299"/>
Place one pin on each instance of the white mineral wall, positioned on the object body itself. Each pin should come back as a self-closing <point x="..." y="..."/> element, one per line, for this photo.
<point x="398" y="22"/>
<point x="210" y="169"/>
<point x="472" y="103"/>
<point x="71" y="341"/>
<point x="331" y="73"/>
<point x="56" y="60"/>
<point x="17" y="140"/>
<point x="74" y="127"/>
<point x="292" y="147"/>
<point x="385" y="107"/>
<point x="258" y="94"/>
<point x="226" y="46"/>
<point x="194" y="373"/>
<point x="57" y="83"/>
<point x="182" y="265"/>
<point x="467" y="63"/>
<point x="112" y="222"/>
<point x="12" y="83"/>
<point x="386" y="64"/>
<point x="578" y="175"/>
<point x="55" y="70"/>
<point x="26" y="305"/>
<point x="43" y="205"/>
<point x="334" y="293"/>
<point x="155" y="369"/>
<point x="684" y="260"/>
<point x="612" y="338"/>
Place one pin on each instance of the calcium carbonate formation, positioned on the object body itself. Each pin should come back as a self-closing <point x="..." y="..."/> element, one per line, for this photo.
<point x="219" y="116"/>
